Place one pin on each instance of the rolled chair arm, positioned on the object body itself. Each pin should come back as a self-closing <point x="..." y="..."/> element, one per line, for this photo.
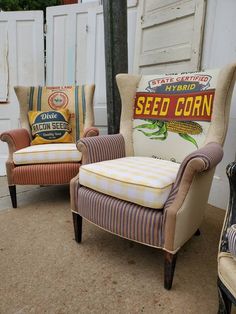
<point x="16" y="139"/>
<point x="200" y="160"/>
<point x="92" y="131"/>
<point x="183" y="215"/>
<point x="99" y="148"/>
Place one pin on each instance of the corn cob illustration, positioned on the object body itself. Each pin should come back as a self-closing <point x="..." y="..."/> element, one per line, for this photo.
<point x="184" y="127"/>
<point x="160" y="129"/>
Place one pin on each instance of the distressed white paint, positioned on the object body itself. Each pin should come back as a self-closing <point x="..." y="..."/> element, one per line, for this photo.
<point x="3" y="61"/>
<point x="75" y="49"/>
<point x="67" y="41"/>
<point x="21" y="55"/>
<point x="169" y="36"/>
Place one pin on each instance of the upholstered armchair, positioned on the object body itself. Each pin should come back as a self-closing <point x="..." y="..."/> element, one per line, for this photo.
<point x="151" y="182"/>
<point x="226" y="260"/>
<point x="50" y="161"/>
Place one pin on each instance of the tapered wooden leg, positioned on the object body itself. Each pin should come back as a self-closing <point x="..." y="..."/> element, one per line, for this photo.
<point x="12" y="190"/>
<point x="197" y="233"/>
<point x="77" y="221"/>
<point x="224" y="302"/>
<point x="169" y="269"/>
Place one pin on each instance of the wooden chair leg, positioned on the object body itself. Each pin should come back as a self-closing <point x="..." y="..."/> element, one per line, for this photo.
<point x="12" y="190"/>
<point x="169" y="269"/>
<point x="197" y="233"/>
<point x="224" y="302"/>
<point x="77" y="221"/>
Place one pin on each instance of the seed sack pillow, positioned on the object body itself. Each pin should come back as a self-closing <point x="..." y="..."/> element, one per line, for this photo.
<point x="172" y="113"/>
<point x="50" y="126"/>
<point x="61" y="97"/>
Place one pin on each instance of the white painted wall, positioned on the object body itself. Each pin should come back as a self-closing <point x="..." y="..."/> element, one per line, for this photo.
<point x="219" y="49"/>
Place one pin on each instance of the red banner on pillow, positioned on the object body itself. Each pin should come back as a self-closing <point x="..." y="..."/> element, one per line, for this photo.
<point x="183" y="107"/>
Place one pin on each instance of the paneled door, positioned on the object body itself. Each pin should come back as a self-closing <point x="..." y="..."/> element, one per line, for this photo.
<point x="21" y="63"/>
<point x="169" y="36"/>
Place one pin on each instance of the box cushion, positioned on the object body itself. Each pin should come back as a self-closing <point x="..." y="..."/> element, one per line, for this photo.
<point x="142" y="180"/>
<point x="47" y="153"/>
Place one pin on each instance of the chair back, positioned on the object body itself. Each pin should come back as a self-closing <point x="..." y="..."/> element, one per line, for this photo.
<point x="78" y="99"/>
<point x="169" y="116"/>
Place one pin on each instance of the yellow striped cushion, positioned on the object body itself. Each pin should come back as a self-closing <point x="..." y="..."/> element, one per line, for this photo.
<point x="142" y="180"/>
<point x="47" y="153"/>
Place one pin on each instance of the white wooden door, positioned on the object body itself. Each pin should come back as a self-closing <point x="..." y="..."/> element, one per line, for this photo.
<point x="67" y="43"/>
<point x="169" y="36"/>
<point x="75" y="49"/>
<point x="21" y="63"/>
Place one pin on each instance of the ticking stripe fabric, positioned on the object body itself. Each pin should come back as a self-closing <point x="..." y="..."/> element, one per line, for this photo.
<point x="60" y="173"/>
<point x="128" y="220"/>
<point x="104" y="147"/>
<point x="140" y="180"/>
<point x="54" y="98"/>
<point x="47" y="153"/>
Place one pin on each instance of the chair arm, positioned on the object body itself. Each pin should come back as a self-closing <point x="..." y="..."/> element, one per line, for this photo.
<point x="103" y="147"/>
<point x="199" y="161"/>
<point x="185" y="205"/>
<point x="88" y="132"/>
<point x="16" y="139"/>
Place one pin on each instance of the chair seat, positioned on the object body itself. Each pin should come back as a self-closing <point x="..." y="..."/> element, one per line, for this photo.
<point x="227" y="271"/>
<point x="141" y="180"/>
<point x="47" y="153"/>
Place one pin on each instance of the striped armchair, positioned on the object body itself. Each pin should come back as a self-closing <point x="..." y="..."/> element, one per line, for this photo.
<point x="48" y="163"/>
<point x="151" y="182"/>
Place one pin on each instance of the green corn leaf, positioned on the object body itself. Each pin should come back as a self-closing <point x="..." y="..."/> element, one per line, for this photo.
<point x="160" y="138"/>
<point x="149" y="134"/>
<point x="145" y="126"/>
<point x="188" y="138"/>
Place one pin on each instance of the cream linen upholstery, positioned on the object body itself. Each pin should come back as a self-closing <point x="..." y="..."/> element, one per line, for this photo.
<point x="227" y="271"/>
<point x="47" y="153"/>
<point x="141" y="180"/>
<point x="183" y="208"/>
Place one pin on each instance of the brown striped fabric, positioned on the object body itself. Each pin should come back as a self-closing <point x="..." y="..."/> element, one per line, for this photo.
<point x="126" y="219"/>
<point x="91" y="131"/>
<point x="211" y="154"/>
<point x="102" y="147"/>
<point x="60" y="173"/>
